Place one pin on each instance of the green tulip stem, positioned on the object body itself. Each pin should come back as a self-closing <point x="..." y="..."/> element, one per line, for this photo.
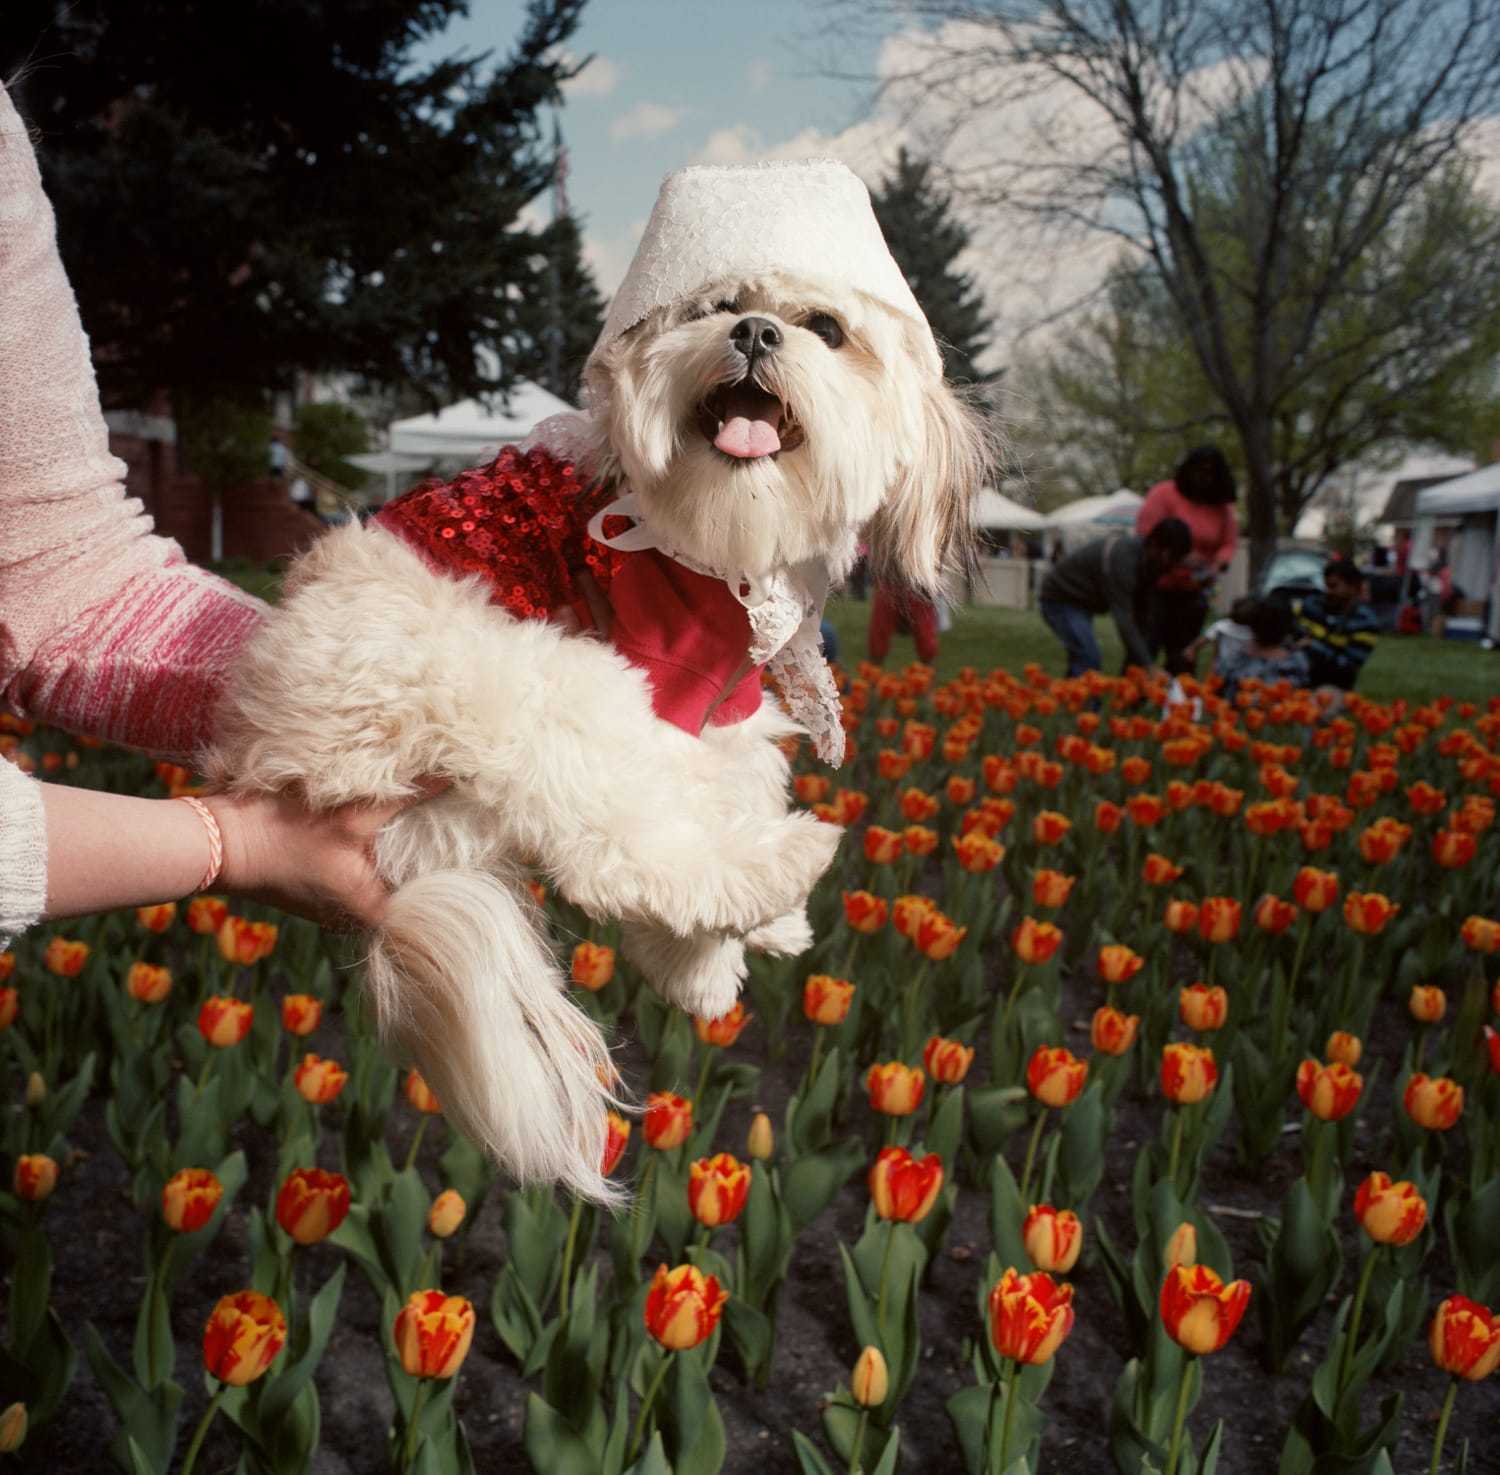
<point x="885" y="1266"/>
<point x="208" y="1418"/>
<point x="413" y="1424"/>
<point x="1010" y="1001"/>
<point x="708" y="1060"/>
<point x="646" y="1402"/>
<point x="1031" y="1147"/>
<point x="1175" y="1449"/>
<point x="1304" y="931"/>
<point x="416" y="1142"/>
<point x="1176" y="1148"/>
<point x="855" y="1465"/>
<point x="208" y="1066"/>
<point x="1416" y="1063"/>
<point x="909" y="1040"/>
<point x="567" y="1265"/>
<point x="1213" y="958"/>
<point x="1011" y="1369"/>
<point x="1346" y="1362"/>
<point x="1442" y="1428"/>
<point x="643" y="1200"/>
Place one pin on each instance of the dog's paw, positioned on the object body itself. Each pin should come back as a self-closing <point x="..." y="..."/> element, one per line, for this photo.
<point x="701" y="974"/>
<point x="785" y="936"/>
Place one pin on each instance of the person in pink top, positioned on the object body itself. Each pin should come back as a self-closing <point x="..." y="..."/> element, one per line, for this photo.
<point x="1201" y="493"/>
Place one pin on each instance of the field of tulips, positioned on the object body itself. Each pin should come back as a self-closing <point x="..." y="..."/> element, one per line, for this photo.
<point x="1137" y="1109"/>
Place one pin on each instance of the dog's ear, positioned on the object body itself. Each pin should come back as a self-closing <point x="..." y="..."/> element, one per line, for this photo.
<point x="923" y="534"/>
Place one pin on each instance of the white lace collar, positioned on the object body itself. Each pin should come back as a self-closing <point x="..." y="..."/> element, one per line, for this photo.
<point x="785" y="613"/>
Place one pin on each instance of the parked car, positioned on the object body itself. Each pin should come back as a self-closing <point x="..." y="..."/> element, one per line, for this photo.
<point x="1295" y="570"/>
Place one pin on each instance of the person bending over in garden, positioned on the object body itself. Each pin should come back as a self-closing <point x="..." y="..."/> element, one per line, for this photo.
<point x="1114" y="573"/>
<point x="107" y="630"/>
<point x="1337" y="629"/>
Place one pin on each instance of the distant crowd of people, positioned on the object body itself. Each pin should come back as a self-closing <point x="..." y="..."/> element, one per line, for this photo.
<point x="1156" y="584"/>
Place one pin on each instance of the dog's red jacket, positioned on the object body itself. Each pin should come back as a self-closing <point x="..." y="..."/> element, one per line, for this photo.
<point x="521" y="524"/>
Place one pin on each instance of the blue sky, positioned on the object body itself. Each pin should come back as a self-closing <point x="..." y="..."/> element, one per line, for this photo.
<point x="682" y="81"/>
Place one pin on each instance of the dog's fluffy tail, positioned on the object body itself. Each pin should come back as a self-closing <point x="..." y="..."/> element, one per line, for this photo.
<point x="464" y="986"/>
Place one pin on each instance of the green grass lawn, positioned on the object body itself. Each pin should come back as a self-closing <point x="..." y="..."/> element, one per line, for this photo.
<point x="1416" y="667"/>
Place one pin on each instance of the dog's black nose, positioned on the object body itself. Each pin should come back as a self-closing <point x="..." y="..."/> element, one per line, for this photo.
<point x="755" y="336"/>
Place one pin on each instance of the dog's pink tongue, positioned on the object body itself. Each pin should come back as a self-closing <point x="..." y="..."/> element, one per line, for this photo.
<point x="750" y="420"/>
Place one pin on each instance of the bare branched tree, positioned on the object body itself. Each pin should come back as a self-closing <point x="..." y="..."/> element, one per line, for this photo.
<point x="1264" y="160"/>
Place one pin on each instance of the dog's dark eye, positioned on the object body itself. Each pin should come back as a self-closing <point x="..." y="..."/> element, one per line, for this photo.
<point x="726" y="307"/>
<point x="826" y="327"/>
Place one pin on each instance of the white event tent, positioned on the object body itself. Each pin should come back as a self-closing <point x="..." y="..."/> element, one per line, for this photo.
<point x="995" y="510"/>
<point x="1469" y="506"/>
<point x="469" y="431"/>
<point x="1118" y="509"/>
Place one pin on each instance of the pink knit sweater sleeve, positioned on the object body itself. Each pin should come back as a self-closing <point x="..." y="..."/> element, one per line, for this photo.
<point x="104" y="628"/>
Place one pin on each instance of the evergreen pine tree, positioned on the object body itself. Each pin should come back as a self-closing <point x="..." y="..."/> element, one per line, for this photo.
<point x="563" y="317"/>
<point x="926" y="240"/>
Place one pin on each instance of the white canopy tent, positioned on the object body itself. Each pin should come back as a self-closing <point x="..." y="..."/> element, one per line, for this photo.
<point x="995" y="510"/>
<point x="1468" y="510"/>
<point x="470" y="431"/>
<point x="1118" y="509"/>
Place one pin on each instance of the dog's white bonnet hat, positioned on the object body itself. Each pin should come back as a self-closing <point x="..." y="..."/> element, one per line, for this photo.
<point x="809" y="217"/>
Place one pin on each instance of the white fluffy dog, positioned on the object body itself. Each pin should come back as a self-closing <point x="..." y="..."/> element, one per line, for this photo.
<point x="760" y="424"/>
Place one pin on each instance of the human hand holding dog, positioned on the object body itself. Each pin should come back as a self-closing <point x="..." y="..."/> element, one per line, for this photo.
<point x="115" y="850"/>
<point x="319" y="865"/>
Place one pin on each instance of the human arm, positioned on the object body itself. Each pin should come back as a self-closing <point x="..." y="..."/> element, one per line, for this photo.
<point x="104" y="628"/>
<point x="1121" y="567"/>
<point x="1157" y="506"/>
<point x="77" y="851"/>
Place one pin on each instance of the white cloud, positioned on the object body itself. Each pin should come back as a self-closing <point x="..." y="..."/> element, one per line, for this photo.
<point x="758" y="74"/>
<point x="646" y="120"/>
<point x="598" y="79"/>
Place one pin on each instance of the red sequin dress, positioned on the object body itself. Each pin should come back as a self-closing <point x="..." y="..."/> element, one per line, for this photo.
<point x="521" y="524"/>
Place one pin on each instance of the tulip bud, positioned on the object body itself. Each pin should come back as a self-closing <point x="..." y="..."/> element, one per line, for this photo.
<point x="894" y="1088"/>
<point x="593" y="965"/>
<point x="312" y="1204"/>
<point x="13" y="1425"/>
<point x="1427" y="1003"/>
<point x="1465" y="1339"/>
<point x="1052" y="1239"/>
<point x="762" y="1142"/>
<point x="244" y="1333"/>
<point x="1433" y="1102"/>
<point x="189" y="1198"/>
<point x="1198" y="1310"/>
<point x="1112" y="1032"/>
<point x="10" y="1006"/>
<point x="301" y="1014"/>
<point x="225" y="1021"/>
<point x="826" y="1000"/>
<point x="870" y="1381"/>
<point x="1182" y="1248"/>
<point x="446" y="1213"/>
<point x="156" y="918"/>
<point x="1030" y="1315"/>
<point x="947" y="1061"/>
<point x="717" y="1189"/>
<point x="1390" y="1213"/>
<point x="1329" y="1092"/>
<point x="35" y="1177"/>
<point x="1055" y="1076"/>
<point x="206" y="914"/>
<point x="1344" y="1048"/>
<point x="420" y="1094"/>
<point x="683" y="1307"/>
<point x="668" y="1121"/>
<point x="433" y="1333"/>
<point x="1035" y="942"/>
<point x="65" y="958"/>
<point x="725" y="1030"/>
<point x="36" y="1089"/>
<point x="1180" y="916"/>
<point x="903" y="1187"/>
<point x="148" y="985"/>
<point x="1051" y="888"/>
<point x="1188" y="1073"/>
<point x="616" y="1137"/>
<point x="318" y="1081"/>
